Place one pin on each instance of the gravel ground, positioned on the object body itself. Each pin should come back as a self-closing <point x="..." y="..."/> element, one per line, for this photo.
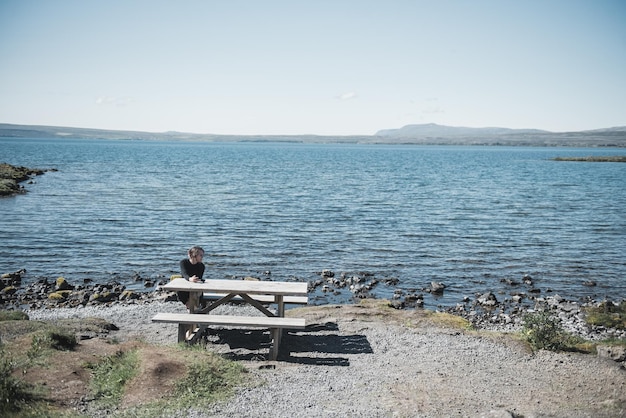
<point x="351" y="362"/>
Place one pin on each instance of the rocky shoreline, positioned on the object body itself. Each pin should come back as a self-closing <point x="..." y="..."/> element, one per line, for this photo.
<point x="365" y="359"/>
<point x="11" y="176"/>
<point x="485" y="311"/>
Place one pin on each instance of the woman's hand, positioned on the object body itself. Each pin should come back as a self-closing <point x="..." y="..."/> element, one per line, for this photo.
<point x="195" y="279"/>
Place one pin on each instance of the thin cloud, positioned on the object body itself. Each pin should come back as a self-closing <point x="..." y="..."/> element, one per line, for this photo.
<point x="433" y="110"/>
<point x="347" y="96"/>
<point x="113" y="101"/>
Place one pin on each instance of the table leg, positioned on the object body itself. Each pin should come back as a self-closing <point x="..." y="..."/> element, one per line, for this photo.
<point x="281" y="305"/>
<point x="281" y="313"/>
<point x="182" y="332"/>
<point x="275" y="332"/>
<point x="189" y="332"/>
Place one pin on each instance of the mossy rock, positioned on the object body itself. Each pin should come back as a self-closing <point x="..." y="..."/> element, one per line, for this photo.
<point x="128" y="295"/>
<point x="63" y="284"/>
<point x="9" y="290"/>
<point x="103" y="297"/>
<point x="60" y="295"/>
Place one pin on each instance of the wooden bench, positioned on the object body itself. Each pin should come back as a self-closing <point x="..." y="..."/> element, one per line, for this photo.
<point x="274" y="323"/>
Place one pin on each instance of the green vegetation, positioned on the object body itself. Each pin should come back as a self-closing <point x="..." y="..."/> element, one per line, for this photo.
<point x="56" y="338"/>
<point x="544" y="332"/>
<point x="607" y="314"/>
<point x="13" y="316"/>
<point x="13" y="392"/>
<point x="110" y="375"/>
<point x="32" y="350"/>
<point x="448" y="320"/>
<point x="17" y="398"/>
<point x="209" y="378"/>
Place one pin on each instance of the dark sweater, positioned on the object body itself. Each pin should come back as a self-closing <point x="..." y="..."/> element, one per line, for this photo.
<point x="188" y="270"/>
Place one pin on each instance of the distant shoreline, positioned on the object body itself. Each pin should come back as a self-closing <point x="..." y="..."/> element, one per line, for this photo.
<point x="594" y="159"/>
<point x="428" y="134"/>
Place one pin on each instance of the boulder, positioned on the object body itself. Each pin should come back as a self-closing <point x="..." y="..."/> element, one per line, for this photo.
<point x="487" y="299"/>
<point x="437" y="287"/>
<point x="62" y="284"/>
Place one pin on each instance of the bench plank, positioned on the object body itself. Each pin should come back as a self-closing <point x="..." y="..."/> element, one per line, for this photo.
<point x="230" y="320"/>
<point x="274" y="323"/>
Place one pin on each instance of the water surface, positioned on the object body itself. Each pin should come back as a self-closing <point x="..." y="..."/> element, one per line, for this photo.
<point x="465" y="216"/>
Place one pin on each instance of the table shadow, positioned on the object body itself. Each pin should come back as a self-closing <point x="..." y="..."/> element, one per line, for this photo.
<point x="317" y="344"/>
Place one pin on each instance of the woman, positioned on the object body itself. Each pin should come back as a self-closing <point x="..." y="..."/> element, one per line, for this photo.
<point x="192" y="269"/>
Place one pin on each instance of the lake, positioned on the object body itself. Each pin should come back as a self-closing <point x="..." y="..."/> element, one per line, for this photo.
<point x="469" y="217"/>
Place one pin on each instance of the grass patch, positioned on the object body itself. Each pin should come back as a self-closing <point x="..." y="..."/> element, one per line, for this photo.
<point x="13" y="316"/>
<point x="448" y="320"/>
<point x="209" y="378"/>
<point x="607" y="314"/>
<point x="13" y="393"/>
<point x="110" y="375"/>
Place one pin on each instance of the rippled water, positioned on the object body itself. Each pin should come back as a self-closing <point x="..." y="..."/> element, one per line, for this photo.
<point x="465" y="216"/>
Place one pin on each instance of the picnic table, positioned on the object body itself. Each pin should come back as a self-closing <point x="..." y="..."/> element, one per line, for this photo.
<point x="218" y="292"/>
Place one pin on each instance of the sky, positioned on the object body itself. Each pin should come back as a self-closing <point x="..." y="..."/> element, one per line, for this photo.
<point x="322" y="67"/>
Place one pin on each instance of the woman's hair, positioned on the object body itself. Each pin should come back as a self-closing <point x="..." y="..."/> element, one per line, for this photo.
<point x="193" y="251"/>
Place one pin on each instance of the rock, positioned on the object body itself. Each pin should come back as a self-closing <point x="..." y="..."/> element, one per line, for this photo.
<point x="527" y="280"/>
<point x="391" y="281"/>
<point x="414" y="300"/>
<point x="9" y="290"/>
<point x="517" y="298"/>
<point x="487" y="299"/>
<point x="128" y="295"/>
<point x="437" y="287"/>
<point x="589" y="283"/>
<point x="103" y="297"/>
<point x="62" y="284"/>
<point x="396" y="304"/>
<point x="11" y="176"/>
<point x="59" y="295"/>
<point x="510" y="282"/>
<point x="327" y="273"/>
<point x="616" y="353"/>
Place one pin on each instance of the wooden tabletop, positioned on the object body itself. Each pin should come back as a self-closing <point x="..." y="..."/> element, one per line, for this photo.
<point x="249" y="287"/>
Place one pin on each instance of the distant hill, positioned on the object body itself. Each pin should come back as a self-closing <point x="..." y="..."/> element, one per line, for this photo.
<point x="425" y="134"/>
<point x="442" y="131"/>
<point x="431" y="133"/>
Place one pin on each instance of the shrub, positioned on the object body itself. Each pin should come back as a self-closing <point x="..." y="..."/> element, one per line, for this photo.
<point x="544" y="331"/>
